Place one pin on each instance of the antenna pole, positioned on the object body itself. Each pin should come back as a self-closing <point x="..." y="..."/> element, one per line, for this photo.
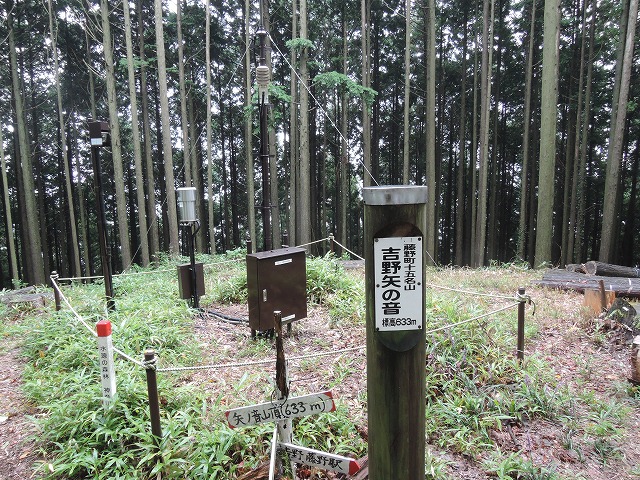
<point x="262" y="77"/>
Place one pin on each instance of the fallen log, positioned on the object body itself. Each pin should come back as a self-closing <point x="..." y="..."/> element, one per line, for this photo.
<point x="575" y="267"/>
<point x="609" y="270"/>
<point x="561" y="279"/>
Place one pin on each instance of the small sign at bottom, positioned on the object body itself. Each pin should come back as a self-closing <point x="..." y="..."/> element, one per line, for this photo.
<point x="318" y="459"/>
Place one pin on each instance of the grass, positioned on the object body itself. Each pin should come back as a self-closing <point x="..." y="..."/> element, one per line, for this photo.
<point x="475" y="387"/>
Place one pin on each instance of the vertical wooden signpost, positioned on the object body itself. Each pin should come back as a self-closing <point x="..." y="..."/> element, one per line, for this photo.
<point x="395" y="223"/>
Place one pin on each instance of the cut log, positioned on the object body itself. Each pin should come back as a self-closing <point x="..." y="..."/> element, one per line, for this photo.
<point x="610" y="270"/>
<point x="575" y="267"/>
<point x="595" y="301"/>
<point x="561" y="279"/>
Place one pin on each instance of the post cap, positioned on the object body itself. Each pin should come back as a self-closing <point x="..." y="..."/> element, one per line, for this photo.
<point x="394" y="195"/>
<point x="103" y="328"/>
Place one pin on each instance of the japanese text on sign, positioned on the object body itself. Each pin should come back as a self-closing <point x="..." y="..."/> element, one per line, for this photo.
<point x="281" y="410"/>
<point x="322" y="460"/>
<point x="398" y="278"/>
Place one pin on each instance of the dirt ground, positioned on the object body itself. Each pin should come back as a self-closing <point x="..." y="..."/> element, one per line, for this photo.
<point x="563" y="339"/>
<point x="17" y="449"/>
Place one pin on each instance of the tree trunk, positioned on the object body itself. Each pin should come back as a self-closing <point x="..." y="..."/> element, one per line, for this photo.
<point x="35" y="273"/>
<point x="166" y="132"/>
<point x="135" y="130"/>
<point x="407" y="93"/>
<point x="548" y="120"/>
<point x="343" y="169"/>
<point x="276" y="231"/>
<point x="612" y="180"/>
<point x="580" y="119"/>
<point x="430" y="125"/>
<point x="11" y="244"/>
<point x="462" y="149"/>
<point x="365" y="21"/>
<point x="77" y="271"/>
<point x="154" y="239"/>
<point x="580" y="207"/>
<point x="524" y="177"/>
<point x="485" y="109"/>
<point x="294" y="180"/>
<point x="305" y="154"/>
<point x="184" y="121"/>
<point x="116" y="146"/>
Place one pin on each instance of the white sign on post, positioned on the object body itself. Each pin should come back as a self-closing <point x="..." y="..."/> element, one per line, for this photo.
<point x="107" y="369"/>
<point x="398" y="280"/>
<point x="322" y="460"/>
<point x="279" y="410"/>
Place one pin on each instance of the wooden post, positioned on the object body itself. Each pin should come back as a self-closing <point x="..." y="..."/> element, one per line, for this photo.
<point x="56" y="293"/>
<point x="284" y="427"/>
<point x="152" y="389"/>
<point x="395" y="226"/>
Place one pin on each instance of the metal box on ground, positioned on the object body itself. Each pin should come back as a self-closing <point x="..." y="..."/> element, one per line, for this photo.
<point x="276" y="280"/>
<point x="184" y="280"/>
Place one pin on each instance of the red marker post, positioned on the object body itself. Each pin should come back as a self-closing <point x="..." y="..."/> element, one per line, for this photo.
<point x="107" y="369"/>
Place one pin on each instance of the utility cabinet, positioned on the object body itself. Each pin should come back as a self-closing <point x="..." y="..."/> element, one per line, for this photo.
<point x="185" y="280"/>
<point x="276" y="280"/>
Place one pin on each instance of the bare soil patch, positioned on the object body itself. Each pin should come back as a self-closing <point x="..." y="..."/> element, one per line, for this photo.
<point x="18" y="451"/>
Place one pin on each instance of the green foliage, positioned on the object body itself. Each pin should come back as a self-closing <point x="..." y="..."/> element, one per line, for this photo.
<point x="332" y="80"/>
<point x="299" y="44"/>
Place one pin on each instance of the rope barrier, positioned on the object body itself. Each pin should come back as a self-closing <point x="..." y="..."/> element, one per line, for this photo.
<point x="318" y="354"/>
<point x="468" y="292"/>
<point x="311" y="243"/>
<point x="345" y="248"/>
<point x="66" y="301"/>
<point x="127" y="357"/>
<point x="469" y="320"/>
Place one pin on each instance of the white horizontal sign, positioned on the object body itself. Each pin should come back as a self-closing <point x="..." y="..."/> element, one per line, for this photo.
<point x="398" y="277"/>
<point x="281" y="410"/>
<point x="322" y="460"/>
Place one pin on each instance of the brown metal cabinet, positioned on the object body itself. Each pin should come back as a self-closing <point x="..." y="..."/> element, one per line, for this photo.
<point x="276" y="280"/>
<point x="185" y="286"/>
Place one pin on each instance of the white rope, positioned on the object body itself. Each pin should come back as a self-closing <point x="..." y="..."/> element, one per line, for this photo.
<point x="345" y="248"/>
<point x="127" y="357"/>
<point x="445" y="327"/>
<point x="311" y="243"/>
<point x="57" y="288"/>
<point x="468" y="292"/>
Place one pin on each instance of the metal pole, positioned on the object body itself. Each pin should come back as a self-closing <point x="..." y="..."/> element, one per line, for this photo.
<point x="194" y="279"/>
<point x="263" y="109"/>
<point x="102" y="227"/>
<point x="152" y="389"/>
<point x="520" y="350"/>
